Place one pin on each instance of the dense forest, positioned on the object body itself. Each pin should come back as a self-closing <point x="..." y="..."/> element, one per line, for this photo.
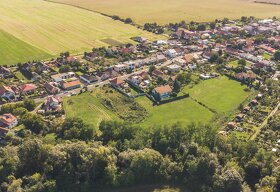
<point x="71" y="156"/>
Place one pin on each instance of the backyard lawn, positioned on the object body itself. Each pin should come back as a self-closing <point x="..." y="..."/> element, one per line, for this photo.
<point x="87" y="107"/>
<point x="233" y="63"/>
<point x="266" y="56"/>
<point x="220" y="94"/>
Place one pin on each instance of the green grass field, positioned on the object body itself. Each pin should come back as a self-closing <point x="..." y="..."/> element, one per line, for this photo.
<point x="51" y="28"/>
<point x="13" y="50"/>
<point x="183" y="111"/>
<point x="220" y="94"/>
<point x="87" y="107"/>
<point x="165" y="11"/>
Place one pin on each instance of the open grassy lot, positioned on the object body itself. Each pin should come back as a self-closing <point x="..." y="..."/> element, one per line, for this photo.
<point x="165" y="11"/>
<point x="184" y="111"/>
<point x="54" y="28"/>
<point x="220" y="94"/>
<point x="13" y="50"/>
<point x="87" y="107"/>
<point x="266" y="56"/>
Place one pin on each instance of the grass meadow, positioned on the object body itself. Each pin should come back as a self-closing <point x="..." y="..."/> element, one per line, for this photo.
<point x="220" y="94"/>
<point x="87" y="107"/>
<point x="46" y="28"/>
<point x="165" y="11"/>
<point x="184" y="111"/>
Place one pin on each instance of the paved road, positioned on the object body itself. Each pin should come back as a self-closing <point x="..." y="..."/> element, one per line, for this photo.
<point x="265" y="122"/>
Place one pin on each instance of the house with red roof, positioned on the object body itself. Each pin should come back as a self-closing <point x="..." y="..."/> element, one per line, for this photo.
<point x="117" y="82"/>
<point x="162" y="92"/>
<point x="8" y="121"/>
<point x="27" y="88"/>
<point x="69" y="85"/>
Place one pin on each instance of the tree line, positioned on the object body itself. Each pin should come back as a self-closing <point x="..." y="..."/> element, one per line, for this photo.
<point x="80" y="158"/>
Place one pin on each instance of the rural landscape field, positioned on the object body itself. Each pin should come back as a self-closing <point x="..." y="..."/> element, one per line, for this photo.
<point x="66" y="29"/>
<point x="145" y="11"/>
<point x="139" y="95"/>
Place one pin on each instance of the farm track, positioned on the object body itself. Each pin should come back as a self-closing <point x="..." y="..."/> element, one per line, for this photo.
<point x="96" y="108"/>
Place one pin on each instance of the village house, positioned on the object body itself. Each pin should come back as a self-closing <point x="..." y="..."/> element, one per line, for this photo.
<point x="140" y="80"/>
<point x="173" y="68"/>
<point x="42" y="67"/>
<point x="52" y="103"/>
<point x="117" y="82"/>
<point x="171" y="53"/>
<point x="161" y="58"/>
<point x="120" y="67"/>
<point x="62" y="76"/>
<point x="179" y="61"/>
<point x="245" y="76"/>
<point x="8" y="121"/>
<point x="7" y="92"/>
<point x="239" y="117"/>
<point x="88" y="78"/>
<point x="231" y="125"/>
<point x="51" y="88"/>
<point x="140" y="39"/>
<point x="162" y="92"/>
<point x="157" y="73"/>
<point x="69" y="85"/>
<point x="4" y="72"/>
<point x="186" y="34"/>
<point x="27" y="89"/>
<point x="267" y="48"/>
<point x="189" y="58"/>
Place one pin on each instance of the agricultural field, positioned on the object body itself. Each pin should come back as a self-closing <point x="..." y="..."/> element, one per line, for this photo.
<point x="13" y="50"/>
<point x="163" y="11"/>
<point x="45" y="29"/>
<point x="87" y="107"/>
<point x="220" y="94"/>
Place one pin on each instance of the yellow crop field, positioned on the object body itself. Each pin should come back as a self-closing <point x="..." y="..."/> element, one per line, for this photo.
<point x="165" y="11"/>
<point x="53" y="28"/>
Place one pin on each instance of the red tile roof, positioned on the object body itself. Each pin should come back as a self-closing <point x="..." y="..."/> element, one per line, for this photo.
<point x="7" y="118"/>
<point x="116" y="81"/>
<point x="27" y="87"/>
<point x="163" y="89"/>
<point x="71" y="84"/>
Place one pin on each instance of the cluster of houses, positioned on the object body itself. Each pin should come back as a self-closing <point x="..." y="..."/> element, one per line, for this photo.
<point x="11" y="92"/>
<point x="184" y="50"/>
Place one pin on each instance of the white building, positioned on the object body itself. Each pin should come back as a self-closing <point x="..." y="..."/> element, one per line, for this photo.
<point x="171" y="53"/>
<point x="174" y="68"/>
